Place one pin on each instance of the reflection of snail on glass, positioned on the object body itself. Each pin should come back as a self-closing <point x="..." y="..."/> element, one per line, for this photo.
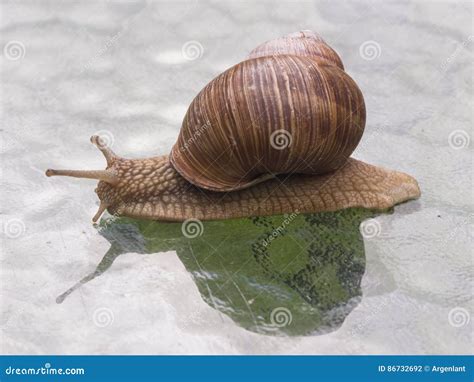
<point x="271" y="135"/>
<point x="284" y="274"/>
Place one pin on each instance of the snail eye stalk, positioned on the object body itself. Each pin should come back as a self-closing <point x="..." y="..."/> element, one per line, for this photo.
<point x="109" y="155"/>
<point x="108" y="175"/>
<point x="104" y="175"/>
<point x="100" y="211"/>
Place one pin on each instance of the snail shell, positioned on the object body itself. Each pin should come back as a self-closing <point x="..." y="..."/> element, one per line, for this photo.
<point x="289" y="108"/>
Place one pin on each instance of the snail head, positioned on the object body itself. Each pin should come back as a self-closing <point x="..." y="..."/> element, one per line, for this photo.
<point x="115" y="182"/>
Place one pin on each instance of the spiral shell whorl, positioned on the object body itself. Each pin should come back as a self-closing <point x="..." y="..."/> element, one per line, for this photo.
<point x="305" y="43"/>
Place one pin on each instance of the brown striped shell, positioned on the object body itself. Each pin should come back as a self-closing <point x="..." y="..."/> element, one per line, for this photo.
<point x="289" y="108"/>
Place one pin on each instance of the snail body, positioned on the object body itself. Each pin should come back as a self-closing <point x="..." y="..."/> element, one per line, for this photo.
<point x="271" y="135"/>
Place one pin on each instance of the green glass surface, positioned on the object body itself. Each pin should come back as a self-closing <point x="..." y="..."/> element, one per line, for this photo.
<point x="292" y="274"/>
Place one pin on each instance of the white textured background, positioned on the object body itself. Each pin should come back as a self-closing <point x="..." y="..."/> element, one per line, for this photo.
<point x="72" y="69"/>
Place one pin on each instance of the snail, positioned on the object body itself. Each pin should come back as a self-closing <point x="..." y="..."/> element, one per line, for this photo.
<point x="271" y="135"/>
